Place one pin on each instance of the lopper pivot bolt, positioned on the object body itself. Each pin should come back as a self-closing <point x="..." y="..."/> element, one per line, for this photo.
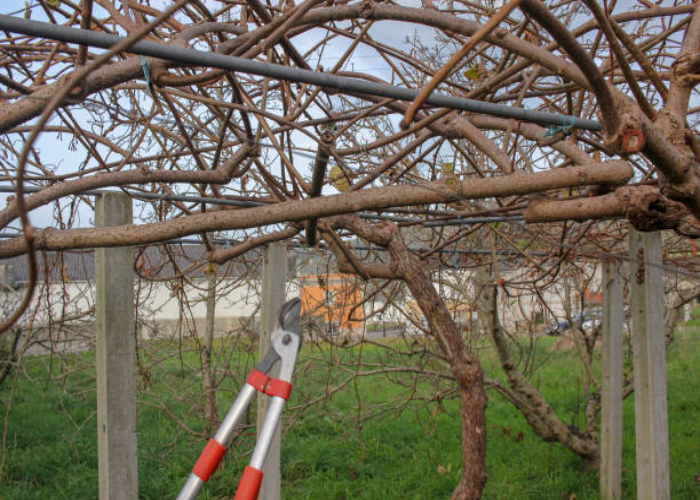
<point x="286" y="341"/>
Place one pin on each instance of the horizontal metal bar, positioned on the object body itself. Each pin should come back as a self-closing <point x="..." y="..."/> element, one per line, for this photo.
<point x="325" y="80"/>
<point x="418" y="251"/>
<point x="473" y="220"/>
<point x="148" y="196"/>
<point x="230" y="242"/>
<point x="471" y="251"/>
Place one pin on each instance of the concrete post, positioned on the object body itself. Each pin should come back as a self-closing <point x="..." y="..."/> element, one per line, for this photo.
<point x="484" y="293"/>
<point x="612" y="374"/>
<point x="274" y="282"/>
<point x="649" y="346"/>
<point x="115" y="356"/>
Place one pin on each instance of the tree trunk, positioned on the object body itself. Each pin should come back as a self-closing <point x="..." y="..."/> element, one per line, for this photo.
<point x="464" y="364"/>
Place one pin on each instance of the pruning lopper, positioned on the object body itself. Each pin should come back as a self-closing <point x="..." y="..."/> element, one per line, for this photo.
<point x="285" y="344"/>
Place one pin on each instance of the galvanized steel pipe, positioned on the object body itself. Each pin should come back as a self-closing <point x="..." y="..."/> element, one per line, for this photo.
<point x="330" y="81"/>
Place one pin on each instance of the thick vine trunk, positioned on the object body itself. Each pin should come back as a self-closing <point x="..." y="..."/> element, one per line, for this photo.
<point x="465" y="365"/>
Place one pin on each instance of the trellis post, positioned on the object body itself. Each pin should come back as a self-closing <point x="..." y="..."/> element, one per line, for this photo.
<point x="115" y="356"/>
<point x="612" y="374"/>
<point x="273" y="290"/>
<point x="649" y="347"/>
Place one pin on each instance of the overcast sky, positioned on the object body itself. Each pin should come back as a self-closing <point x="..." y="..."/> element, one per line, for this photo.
<point x="57" y="154"/>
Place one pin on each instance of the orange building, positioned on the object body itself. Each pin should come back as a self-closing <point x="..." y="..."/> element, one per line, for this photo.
<point x="335" y="299"/>
<point x="593" y="296"/>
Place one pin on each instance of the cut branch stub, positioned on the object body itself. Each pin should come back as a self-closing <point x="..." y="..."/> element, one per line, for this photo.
<point x="649" y="210"/>
<point x="645" y="207"/>
<point x="687" y="67"/>
<point x="628" y="138"/>
<point x="632" y="141"/>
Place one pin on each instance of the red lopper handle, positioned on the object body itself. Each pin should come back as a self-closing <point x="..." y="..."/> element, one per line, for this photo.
<point x="209" y="460"/>
<point x="249" y="487"/>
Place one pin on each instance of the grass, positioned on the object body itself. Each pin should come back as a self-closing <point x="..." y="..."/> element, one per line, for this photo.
<point x="408" y="453"/>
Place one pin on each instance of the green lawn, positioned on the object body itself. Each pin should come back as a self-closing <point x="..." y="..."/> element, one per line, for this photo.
<point x="402" y="451"/>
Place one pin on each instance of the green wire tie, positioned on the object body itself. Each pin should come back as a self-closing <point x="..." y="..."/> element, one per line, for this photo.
<point x="147" y="73"/>
<point x="554" y="129"/>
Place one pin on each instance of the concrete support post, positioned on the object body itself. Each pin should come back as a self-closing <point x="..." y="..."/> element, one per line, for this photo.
<point x="484" y="293"/>
<point x="649" y="346"/>
<point x="612" y="374"/>
<point x="115" y="356"/>
<point x="274" y="283"/>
